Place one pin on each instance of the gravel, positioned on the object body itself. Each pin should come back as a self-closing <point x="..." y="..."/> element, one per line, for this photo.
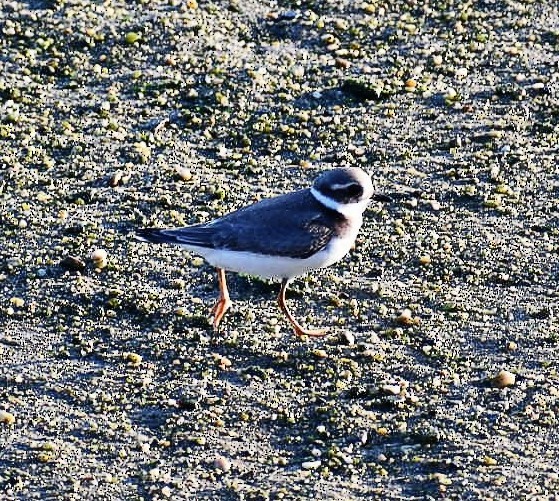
<point x="439" y="377"/>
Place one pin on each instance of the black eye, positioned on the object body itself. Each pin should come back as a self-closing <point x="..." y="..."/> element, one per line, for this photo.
<point x="354" y="190"/>
<point x="347" y="191"/>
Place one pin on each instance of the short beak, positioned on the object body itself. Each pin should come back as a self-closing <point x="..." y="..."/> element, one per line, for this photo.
<point x="390" y="198"/>
<point x="381" y="197"/>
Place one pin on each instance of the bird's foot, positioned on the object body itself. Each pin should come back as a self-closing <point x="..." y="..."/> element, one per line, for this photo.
<point x="300" y="331"/>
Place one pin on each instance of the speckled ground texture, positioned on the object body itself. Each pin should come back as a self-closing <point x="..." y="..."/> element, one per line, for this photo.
<point x="117" y="115"/>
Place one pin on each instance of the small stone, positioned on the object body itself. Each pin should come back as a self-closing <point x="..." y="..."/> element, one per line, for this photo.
<point x="391" y="389"/>
<point x="437" y="60"/>
<point x="43" y="197"/>
<point x="49" y="446"/>
<point x="316" y="452"/>
<point x="7" y="418"/>
<point x="154" y="474"/>
<point x="178" y="284"/>
<point x="511" y="346"/>
<point x="311" y="465"/>
<point x="441" y="478"/>
<point x="131" y="37"/>
<point x="115" y="179"/>
<point x="72" y="263"/>
<point x="342" y="63"/>
<point x="298" y="71"/>
<point x="425" y="259"/>
<point x="99" y="258"/>
<point x="197" y="262"/>
<point x="181" y="311"/>
<point x="318" y="353"/>
<point x="183" y="173"/>
<point x="222" y="463"/>
<point x="487" y="137"/>
<point x="46" y="456"/>
<point x="503" y="379"/>
<point x="222" y="361"/>
<point x="222" y="99"/>
<point x="17" y="302"/>
<point x="141" y="151"/>
<point x="451" y="94"/>
<point x="134" y="358"/>
<point x="493" y="203"/>
<point x="407" y="318"/>
<point x="348" y="338"/>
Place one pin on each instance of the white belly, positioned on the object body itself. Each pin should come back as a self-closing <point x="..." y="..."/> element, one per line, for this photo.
<point x="275" y="266"/>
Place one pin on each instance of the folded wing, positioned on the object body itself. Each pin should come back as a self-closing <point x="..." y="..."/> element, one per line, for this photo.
<point x="267" y="227"/>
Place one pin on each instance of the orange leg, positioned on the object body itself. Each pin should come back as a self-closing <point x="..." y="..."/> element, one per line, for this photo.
<point x="223" y="303"/>
<point x="299" y="330"/>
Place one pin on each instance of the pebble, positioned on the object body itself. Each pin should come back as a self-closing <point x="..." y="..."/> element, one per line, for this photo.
<point x="7" y="417"/>
<point x="391" y="389"/>
<point x="222" y="361"/>
<point x="298" y="71"/>
<point x="17" y="302"/>
<point x="131" y="37"/>
<point x="311" y="465"/>
<point x="437" y="60"/>
<point x="406" y="318"/>
<point x="72" y="263"/>
<point x="348" y="338"/>
<point x="99" y="258"/>
<point x="181" y="311"/>
<point x="222" y="463"/>
<point x="318" y="353"/>
<point x="503" y="379"/>
<point x="115" y="179"/>
<point x="425" y="259"/>
<point x="435" y="205"/>
<point x="512" y="346"/>
<point x="184" y="173"/>
<point x="134" y="358"/>
<point x="342" y="63"/>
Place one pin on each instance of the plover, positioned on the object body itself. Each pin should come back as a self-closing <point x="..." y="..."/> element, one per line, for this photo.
<point x="281" y="237"/>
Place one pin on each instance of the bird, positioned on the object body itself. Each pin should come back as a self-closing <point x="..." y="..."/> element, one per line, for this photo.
<point x="282" y="237"/>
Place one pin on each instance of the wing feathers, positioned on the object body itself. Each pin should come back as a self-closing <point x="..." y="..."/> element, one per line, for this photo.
<point x="199" y="236"/>
<point x="267" y="227"/>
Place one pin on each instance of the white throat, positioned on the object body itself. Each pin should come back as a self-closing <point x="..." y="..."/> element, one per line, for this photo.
<point x="352" y="210"/>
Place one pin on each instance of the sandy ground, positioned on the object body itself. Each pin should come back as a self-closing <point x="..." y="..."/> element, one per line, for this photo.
<point x="118" y="115"/>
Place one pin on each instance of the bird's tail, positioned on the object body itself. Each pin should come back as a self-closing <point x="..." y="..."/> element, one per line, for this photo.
<point x="193" y="236"/>
<point x="153" y="235"/>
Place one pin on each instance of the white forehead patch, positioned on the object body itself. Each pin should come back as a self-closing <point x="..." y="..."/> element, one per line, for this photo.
<point x="337" y="186"/>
